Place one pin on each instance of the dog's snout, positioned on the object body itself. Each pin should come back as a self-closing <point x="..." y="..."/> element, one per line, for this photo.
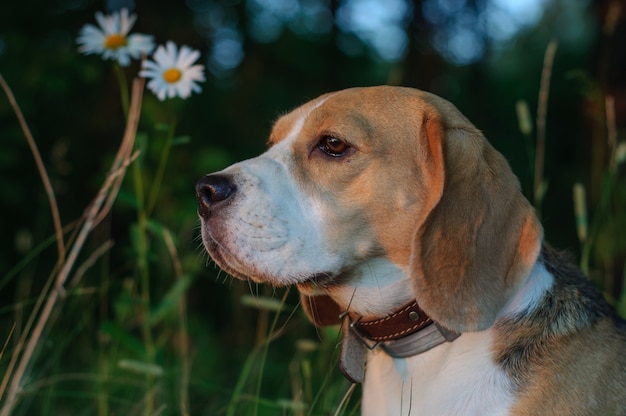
<point x="213" y="189"/>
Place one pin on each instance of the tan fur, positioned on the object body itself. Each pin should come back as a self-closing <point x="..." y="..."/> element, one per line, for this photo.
<point x="577" y="375"/>
<point x="567" y="357"/>
<point x="441" y="210"/>
<point x="479" y="241"/>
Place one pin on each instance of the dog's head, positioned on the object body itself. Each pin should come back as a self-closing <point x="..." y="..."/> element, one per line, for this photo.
<point x="385" y="174"/>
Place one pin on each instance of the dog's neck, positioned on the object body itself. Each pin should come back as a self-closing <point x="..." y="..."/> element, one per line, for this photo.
<point x="374" y="289"/>
<point x="380" y="311"/>
<point x="378" y="287"/>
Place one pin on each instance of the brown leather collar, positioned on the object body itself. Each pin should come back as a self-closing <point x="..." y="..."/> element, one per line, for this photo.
<point x="404" y="333"/>
<point x="405" y="321"/>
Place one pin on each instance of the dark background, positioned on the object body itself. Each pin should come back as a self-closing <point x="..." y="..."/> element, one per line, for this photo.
<point x="264" y="58"/>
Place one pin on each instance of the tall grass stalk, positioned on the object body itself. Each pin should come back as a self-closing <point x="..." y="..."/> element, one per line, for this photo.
<point x="93" y="211"/>
<point x="45" y="179"/>
<point x="345" y="400"/>
<point x="144" y="273"/>
<point x="268" y="340"/>
<point x="183" y="334"/>
<point x="253" y="357"/>
<point x="6" y="342"/>
<point x="332" y="364"/>
<point x="244" y="374"/>
<point x="539" y="187"/>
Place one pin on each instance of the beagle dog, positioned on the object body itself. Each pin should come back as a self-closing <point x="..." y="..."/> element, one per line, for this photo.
<point x="394" y="216"/>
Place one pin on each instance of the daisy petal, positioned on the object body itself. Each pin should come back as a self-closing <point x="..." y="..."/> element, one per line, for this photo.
<point x="186" y="57"/>
<point x="164" y="58"/>
<point x="126" y="21"/>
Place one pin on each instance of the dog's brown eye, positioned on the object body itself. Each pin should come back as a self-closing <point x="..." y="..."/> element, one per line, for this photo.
<point x="333" y="146"/>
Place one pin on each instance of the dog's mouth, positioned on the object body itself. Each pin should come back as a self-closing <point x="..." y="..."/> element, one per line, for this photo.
<point x="321" y="279"/>
<point x="231" y="265"/>
<point x="319" y="282"/>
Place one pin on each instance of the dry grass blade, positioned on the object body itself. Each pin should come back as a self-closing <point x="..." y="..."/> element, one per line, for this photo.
<point x="122" y="158"/>
<point x="345" y="398"/>
<point x="94" y="211"/>
<point x="6" y="343"/>
<point x="56" y="218"/>
<point x="91" y="260"/>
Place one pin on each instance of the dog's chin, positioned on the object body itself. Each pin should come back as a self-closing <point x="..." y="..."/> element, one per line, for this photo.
<point x="225" y="261"/>
<point x="313" y="284"/>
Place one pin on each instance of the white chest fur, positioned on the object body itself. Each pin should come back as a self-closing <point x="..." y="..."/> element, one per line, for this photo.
<point x="457" y="378"/>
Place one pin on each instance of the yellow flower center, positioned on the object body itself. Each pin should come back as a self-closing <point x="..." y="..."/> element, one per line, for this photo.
<point x="172" y="75"/>
<point x="115" y="41"/>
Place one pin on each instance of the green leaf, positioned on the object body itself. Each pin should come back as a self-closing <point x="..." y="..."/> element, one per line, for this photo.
<point x="157" y="228"/>
<point x="128" y="198"/>
<point x="141" y="141"/>
<point x="181" y="140"/>
<point x="291" y="405"/>
<point x="141" y="367"/>
<point x="306" y="345"/>
<point x="124" y="338"/>
<point x="264" y="303"/>
<point x="170" y="300"/>
<point x="523" y="117"/>
<point x="162" y="127"/>
<point x="620" y="153"/>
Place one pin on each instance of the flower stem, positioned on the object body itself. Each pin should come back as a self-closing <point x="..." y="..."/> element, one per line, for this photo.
<point x="158" y="178"/>
<point x="142" y="263"/>
<point x="123" y="84"/>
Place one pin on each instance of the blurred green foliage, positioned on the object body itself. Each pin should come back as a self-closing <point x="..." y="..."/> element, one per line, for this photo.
<point x="195" y="347"/>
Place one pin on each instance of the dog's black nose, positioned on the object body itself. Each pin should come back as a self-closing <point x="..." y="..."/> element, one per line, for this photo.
<point x="212" y="189"/>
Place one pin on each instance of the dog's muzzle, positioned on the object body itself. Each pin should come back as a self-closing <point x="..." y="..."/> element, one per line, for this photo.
<point x="213" y="191"/>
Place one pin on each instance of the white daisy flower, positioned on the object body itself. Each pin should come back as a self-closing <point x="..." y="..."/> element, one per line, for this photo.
<point x="171" y="73"/>
<point x="111" y="39"/>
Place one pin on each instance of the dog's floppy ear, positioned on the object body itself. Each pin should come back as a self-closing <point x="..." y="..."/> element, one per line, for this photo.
<point x="478" y="236"/>
<point x="321" y="310"/>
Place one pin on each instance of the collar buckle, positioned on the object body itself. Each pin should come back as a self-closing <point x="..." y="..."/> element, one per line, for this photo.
<point x="352" y="325"/>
